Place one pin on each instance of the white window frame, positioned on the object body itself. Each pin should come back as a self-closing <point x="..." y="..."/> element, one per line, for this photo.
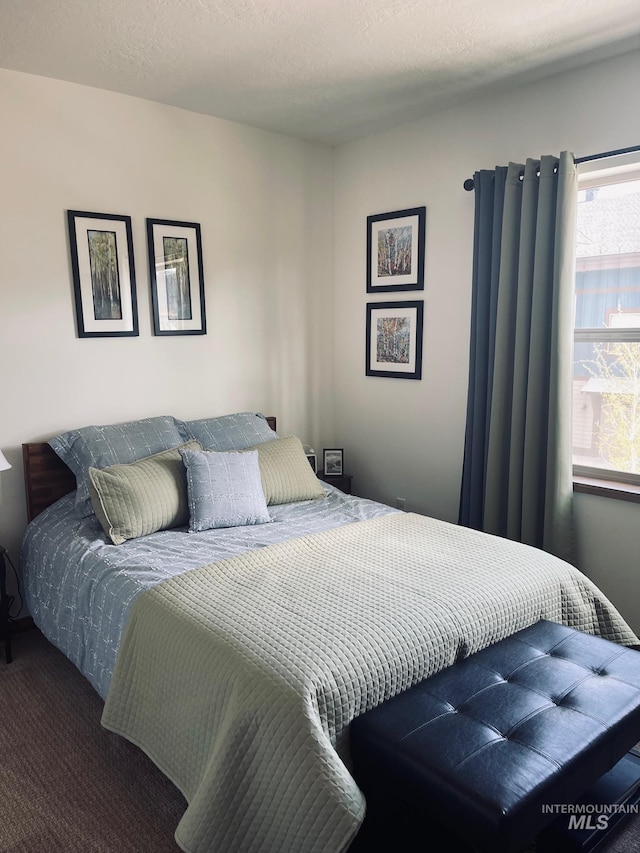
<point x="596" y="173"/>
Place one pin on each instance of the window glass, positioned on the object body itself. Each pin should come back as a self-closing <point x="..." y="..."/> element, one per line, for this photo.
<point x="606" y="386"/>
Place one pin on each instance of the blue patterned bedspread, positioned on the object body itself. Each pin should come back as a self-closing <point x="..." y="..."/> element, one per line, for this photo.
<point x="79" y="588"/>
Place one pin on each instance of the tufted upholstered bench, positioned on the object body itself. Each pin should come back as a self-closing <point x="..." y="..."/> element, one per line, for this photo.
<point x="533" y="720"/>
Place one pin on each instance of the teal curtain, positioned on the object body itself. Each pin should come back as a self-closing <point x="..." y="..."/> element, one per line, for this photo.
<point x="517" y="474"/>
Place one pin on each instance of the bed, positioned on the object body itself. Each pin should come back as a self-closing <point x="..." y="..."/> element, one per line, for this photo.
<point x="237" y="657"/>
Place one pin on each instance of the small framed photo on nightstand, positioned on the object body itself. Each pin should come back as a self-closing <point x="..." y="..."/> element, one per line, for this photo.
<point x="333" y="462"/>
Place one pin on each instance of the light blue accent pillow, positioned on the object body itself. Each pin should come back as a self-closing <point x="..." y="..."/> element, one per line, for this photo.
<point x="114" y="444"/>
<point x="228" y="432"/>
<point x="224" y="489"/>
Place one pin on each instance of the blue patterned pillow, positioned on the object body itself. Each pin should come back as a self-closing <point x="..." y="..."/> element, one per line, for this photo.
<point x="224" y="489"/>
<point x="114" y="444"/>
<point x="228" y="432"/>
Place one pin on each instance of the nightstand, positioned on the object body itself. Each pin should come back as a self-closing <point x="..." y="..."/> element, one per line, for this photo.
<point x="340" y="481"/>
<point x="5" y="627"/>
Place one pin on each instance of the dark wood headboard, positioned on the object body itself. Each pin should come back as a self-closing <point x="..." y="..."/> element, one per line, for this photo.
<point x="47" y="478"/>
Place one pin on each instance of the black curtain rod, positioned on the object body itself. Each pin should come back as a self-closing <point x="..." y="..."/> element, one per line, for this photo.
<point x="469" y="185"/>
<point x="604" y="154"/>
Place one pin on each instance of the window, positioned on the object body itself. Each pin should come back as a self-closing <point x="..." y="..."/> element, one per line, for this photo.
<point x="606" y="365"/>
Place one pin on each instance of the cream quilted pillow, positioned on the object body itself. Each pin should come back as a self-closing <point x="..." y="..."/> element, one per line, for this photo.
<point x="141" y="497"/>
<point x="286" y="473"/>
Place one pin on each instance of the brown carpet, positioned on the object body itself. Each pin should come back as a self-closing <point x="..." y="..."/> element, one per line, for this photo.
<point x="69" y="786"/>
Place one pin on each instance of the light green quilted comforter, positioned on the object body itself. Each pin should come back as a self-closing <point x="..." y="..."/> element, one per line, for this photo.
<point x="240" y="679"/>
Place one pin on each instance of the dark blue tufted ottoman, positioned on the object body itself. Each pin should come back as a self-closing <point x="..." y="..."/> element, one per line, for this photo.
<point x="531" y="721"/>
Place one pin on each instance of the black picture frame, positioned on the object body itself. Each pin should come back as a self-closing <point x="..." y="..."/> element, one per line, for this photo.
<point x="176" y="274"/>
<point x="394" y="339"/>
<point x="333" y="462"/>
<point x="395" y="250"/>
<point x="103" y="272"/>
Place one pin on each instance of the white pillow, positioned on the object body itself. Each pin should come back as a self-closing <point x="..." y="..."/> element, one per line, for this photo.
<point x="224" y="489"/>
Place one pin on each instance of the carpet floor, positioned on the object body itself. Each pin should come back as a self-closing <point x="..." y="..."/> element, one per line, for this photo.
<point x="69" y="786"/>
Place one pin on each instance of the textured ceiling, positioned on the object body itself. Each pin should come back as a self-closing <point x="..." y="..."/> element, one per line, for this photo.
<point x="327" y="70"/>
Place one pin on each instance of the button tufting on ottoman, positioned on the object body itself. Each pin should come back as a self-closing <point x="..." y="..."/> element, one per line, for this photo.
<point x="533" y="720"/>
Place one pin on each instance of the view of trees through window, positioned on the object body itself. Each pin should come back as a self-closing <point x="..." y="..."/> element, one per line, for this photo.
<point x="606" y="375"/>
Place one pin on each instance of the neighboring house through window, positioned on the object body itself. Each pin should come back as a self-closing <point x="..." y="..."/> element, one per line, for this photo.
<point x="606" y="374"/>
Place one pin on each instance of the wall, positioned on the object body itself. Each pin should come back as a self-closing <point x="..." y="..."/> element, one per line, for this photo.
<point x="405" y="438"/>
<point x="264" y="202"/>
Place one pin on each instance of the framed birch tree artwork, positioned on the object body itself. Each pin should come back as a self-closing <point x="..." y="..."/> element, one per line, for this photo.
<point x="394" y="339"/>
<point x="395" y="250"/>
<point x="103" y="271"/>
<point x="177" y="277"/>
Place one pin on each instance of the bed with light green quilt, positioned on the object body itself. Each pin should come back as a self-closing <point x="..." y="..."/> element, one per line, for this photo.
<point x="240" y="678"/>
